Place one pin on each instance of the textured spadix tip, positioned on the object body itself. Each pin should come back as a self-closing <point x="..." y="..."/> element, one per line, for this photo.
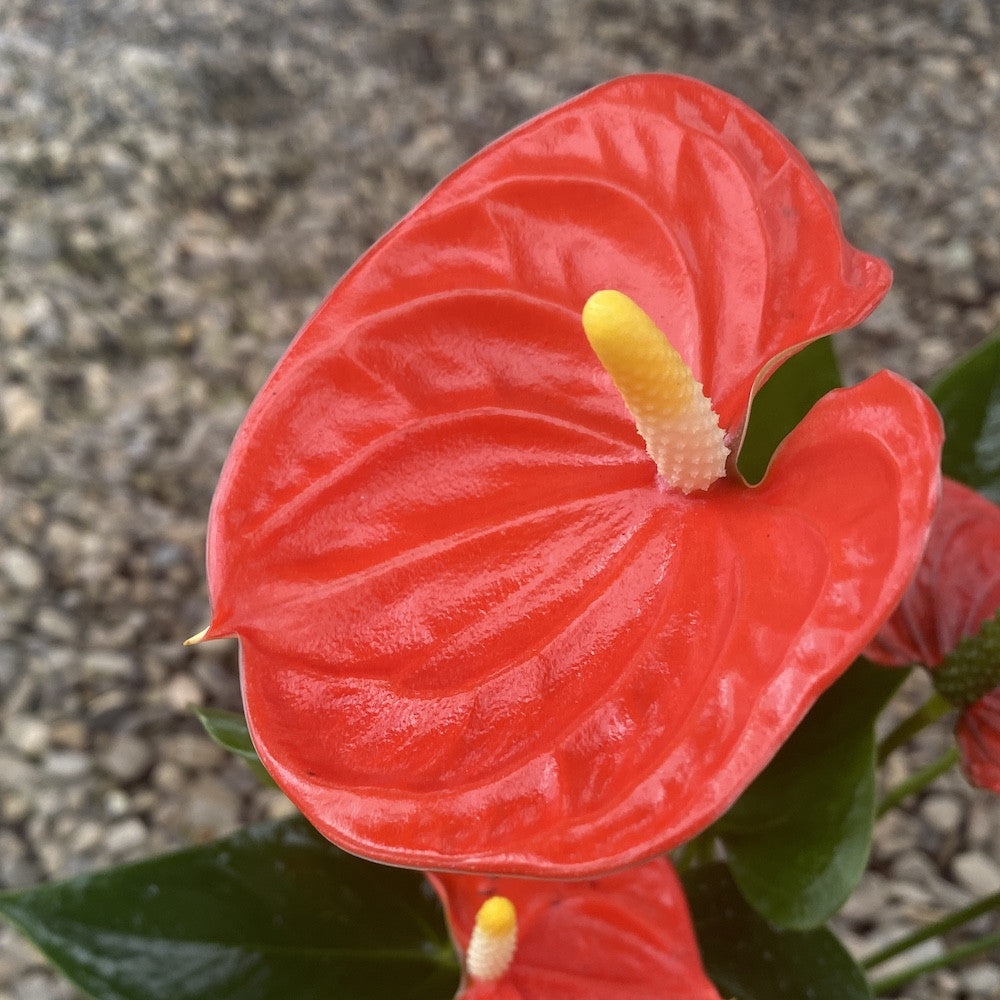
<point x="493" y="941"/>
<point x="671" y="412"/>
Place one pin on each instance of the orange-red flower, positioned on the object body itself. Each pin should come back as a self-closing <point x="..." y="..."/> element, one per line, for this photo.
<point x="479" y="631"/>
<point x="954" y="591"/>
<point x="622" y="937"/>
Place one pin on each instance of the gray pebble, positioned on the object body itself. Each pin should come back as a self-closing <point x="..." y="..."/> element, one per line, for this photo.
<point x="21" y="409"/>
<point x="127" y="758"/>
<point x="28" y="734"/>
<point x="67" y="765"/>
<point x="125" y="837"/>
<point x="978" y="872"/>
<point x="22" y="569"/>
<point x="107" y="663"/>
<point x="55" y="624"/>
<point x="943" y="813"/>
<point x="982" y="979"/>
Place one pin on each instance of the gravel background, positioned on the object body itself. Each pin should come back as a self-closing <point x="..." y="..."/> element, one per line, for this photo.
<point x="182" y="181"/>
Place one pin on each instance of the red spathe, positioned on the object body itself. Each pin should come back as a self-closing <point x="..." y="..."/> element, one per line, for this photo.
<point x="955" y="590"/>
<point x="477" y="633"/>
<point x="623" y="937"/>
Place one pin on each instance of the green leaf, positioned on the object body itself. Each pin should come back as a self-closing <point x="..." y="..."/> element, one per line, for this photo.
<point x="784" y="399"/>
<point x="229" y="730"/>
<point x="271" y="913"/>
<point x="969" y="400"/>
<point x="799" y="837"/>
<point x="748" y="959"/>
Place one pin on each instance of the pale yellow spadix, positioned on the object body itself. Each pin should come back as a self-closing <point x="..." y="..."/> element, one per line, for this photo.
<point x="670" y="409"/>
<point x="493" y="941"/>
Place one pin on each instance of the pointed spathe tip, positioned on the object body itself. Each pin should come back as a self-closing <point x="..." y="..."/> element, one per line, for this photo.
<point x="198" y="637"/>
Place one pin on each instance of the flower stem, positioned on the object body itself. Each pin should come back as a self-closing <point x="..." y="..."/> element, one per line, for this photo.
<point x="938" y="927"/>
<point x="978" y="947"/>
<point x="930" y="711"/>
<point x="918" y="781"/>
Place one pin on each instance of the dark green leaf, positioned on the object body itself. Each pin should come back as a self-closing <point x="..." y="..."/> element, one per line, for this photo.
<point x="798" y="839"/>
<point x="969" y="400"/>
<point x="229" y="730"/>
<point x="748" y="959"/>
<point x="271" y="913"/>
<point x="785" y="398"/>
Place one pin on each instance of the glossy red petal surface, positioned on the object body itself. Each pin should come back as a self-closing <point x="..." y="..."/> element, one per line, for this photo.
<point x="506" y="648"/>
<point x="623" y="937"/>
<point x="476" y="633"/>
<point x="956" y="587"/>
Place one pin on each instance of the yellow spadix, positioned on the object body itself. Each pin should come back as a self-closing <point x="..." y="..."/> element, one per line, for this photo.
<point x="671" y="411"/>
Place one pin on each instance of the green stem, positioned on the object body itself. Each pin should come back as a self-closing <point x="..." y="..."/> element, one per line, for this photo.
<point x="956" y="955"/>
<point x="930" y="711"/>
<point x="918" y="781"/>
<point x="938" y="927"/>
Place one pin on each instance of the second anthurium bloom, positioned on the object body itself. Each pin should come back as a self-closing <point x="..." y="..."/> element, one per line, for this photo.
<point x="504" y="602"/>
<point x="949" y="622"/>
<point x="623" y="937"/>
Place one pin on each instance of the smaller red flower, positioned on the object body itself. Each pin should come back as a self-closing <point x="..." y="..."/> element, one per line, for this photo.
<point x="955" y="590"/>
<point x="623" y="937"/>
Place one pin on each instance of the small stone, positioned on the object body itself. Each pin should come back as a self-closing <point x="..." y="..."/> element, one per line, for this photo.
<point x="88" y="836"/>
<point x="16" y="955"/>
<point x="895" y="832"/>
<point x="28" y="735"/>
<point x="125" y="836"/>
<point x="869" y="897"/>
<point x="32" y="240"/>
<point x="51" y="854"/>
<point x="16" y="773"/>
<point x="182" y="692"/>
<point x="16" y="868"/>
<point x="69" y="733"/>
<point x="212" y="808"/>
<point x="913" y="868"/>
<point x="67" y="765"/>
<point x="35" y="985"/>
<point x="56" y="625"/>
<point x="279" y="806"/>
<point x="194" y="751"/>
<point x="983" y="827"/>
<point x="982" y="979"/>
<point x="942" y="813"/>
<point x="127" y="759"/>
<point x="22" y="410"/>
<point x="105" y="663"/>
<point x="22" y="569"/>
<point x="116" y="802"/>
<point x="169" y="776"/>
<point x="978" y="872"/>
<point x="15" y="805"/>
<point x="926" y="951"/>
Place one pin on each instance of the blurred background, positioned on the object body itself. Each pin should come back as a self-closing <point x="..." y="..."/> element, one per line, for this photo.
<point x="181" y="182"/>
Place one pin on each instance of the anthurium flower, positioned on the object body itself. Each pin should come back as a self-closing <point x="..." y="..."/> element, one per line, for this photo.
<point x="623" y="937"/>
<point x="954" y="595"/>
<point x="482" y="627"/>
